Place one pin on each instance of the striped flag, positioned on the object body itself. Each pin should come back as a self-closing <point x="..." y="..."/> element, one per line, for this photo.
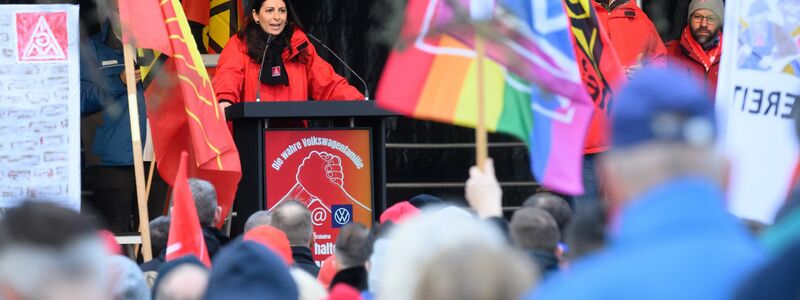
<point x="181" y="103"/>
<point x="435" y="78"/>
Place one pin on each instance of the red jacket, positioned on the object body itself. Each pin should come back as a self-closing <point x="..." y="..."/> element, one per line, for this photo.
<point x="633" y="35"/>
<point x="236" y="77"/>
<point x="686" y="55"/>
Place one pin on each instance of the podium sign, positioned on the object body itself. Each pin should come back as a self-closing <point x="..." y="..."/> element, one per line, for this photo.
<point x="329" y="171"/>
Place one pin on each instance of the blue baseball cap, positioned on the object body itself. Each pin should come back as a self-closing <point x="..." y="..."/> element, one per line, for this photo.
<point x="661" y="105"/>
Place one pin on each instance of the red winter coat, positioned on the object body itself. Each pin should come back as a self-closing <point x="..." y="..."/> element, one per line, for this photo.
<point x="633" y="35"/>
<point x="685" y="54"/>
<point x="236" y="77"/>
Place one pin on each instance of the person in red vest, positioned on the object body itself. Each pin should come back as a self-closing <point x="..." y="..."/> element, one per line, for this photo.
<point x="290" y="68"/>
<point x="699" y="48"/>
<point x="633" y="35"/>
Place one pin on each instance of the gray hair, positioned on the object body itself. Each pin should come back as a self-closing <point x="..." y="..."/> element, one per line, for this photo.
<point x="534" y="229"/>
<point x="47" y="250"/>
<point x="644" y="166"/>
<point x="261" y="217"/>
<point x="205" y="200"/>
<point x="294" y="219"/>
<point x="130" y="283"/>
<point x="403" y="260"/>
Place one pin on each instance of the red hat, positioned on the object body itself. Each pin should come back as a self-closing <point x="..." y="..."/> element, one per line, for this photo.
<point x="344" y="292"/>
<point x="399" y="212"/>
<point x="110" y="242"/>
<point x="327" y="271"/>
<point x="272" y="238"/>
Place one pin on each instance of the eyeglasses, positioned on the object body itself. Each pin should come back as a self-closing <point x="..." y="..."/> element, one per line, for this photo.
<point x="709" y="19"/>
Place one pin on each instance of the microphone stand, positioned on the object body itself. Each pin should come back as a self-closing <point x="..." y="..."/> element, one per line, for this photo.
<point x="263" y="55"/>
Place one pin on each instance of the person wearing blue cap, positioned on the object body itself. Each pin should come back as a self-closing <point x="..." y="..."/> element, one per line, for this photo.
<point x="670" y="236"/>
<point x="248" y="270"/>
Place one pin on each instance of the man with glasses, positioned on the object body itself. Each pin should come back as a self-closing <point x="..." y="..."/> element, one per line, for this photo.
<point x="699" y="48"/>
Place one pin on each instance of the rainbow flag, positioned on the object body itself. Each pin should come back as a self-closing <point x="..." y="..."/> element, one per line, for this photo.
<point x="435" y="78"/>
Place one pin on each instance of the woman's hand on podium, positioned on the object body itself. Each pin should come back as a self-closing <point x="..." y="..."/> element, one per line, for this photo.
<point x="222" y="106"/>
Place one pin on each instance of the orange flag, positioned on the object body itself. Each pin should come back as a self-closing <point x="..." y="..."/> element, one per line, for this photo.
<point x="181" y="103"/>
<point x="185" y="235"/>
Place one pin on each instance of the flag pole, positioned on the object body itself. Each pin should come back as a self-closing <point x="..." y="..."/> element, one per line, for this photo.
<point x="136" y="141"/>
<point x="481" y="144"/>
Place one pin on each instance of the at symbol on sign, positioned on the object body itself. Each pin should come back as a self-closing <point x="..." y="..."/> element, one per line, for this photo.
<point x="342" y="215"/>
<point x="318" y="216"/>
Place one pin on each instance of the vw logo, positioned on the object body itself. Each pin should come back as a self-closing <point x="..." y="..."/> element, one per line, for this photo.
<point x="342" y="215"/>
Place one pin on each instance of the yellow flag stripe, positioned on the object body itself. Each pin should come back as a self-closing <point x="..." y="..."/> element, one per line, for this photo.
<point x="196" y="119"/>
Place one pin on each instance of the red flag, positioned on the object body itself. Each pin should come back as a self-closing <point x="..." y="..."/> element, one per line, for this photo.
<point x="600" y="68"/>
<point x="197" y="11"/>
<point x="185" y="235"/>
<point x="181" y="104"/>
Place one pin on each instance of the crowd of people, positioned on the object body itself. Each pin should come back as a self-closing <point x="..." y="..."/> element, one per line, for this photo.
<point x="662" y="232"/>
<point x="653" y="224"/>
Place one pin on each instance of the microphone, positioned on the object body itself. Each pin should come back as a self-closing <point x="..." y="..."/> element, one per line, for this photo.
<point x="366" y="89"/>
<point x="263" y="55"/>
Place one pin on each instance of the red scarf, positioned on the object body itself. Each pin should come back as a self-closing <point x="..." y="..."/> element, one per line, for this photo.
<point x="707" y="58"/>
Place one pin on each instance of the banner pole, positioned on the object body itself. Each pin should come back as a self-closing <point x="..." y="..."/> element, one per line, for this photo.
<point x="481" y="143"/>
<point x="138" y="163"/>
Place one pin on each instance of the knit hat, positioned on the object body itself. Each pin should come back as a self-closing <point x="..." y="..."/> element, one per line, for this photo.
<point x="327" y="271"/>
<point x="399" y="212"/>
<point x="662" y="105"/>
<point x="272" y="238"/>
<point x="715" y="6"/>
<point x="248" y="270"/>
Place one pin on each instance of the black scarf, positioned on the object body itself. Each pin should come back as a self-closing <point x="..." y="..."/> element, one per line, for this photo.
<point x="273" y="71"/>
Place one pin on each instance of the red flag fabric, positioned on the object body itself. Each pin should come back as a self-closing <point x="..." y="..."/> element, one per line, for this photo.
<point x="600" y="68"/>
<point x="197" y="11"/>
<point x="185" y="235"/>
<point x="181" y="103"/>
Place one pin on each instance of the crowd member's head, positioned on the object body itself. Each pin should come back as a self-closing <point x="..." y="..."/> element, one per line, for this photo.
<point x="159" y="234"/>
<point x="554" y="205"/>
<point x="705" y="19"/>
<point x="50" y="252"/>
<point x="416" y="245"/>
<point x="183" y="278"/>
<point x="398" y="212"/>
<point x="127" y="279"/>
<point x="308" y="286"/>
<point x="205" y="200"/>
<point x="294" y="219"/>
<point x="458" y="273"/>
<point x="422" y="200"/>
<point x="247" y="270"/>
<point x="352" y="246"/>
<point x="272" y="238"/>
<point x="534" y="229"/>
<point x="669" y="135"/>
<point x="586" y="232"/>
<point x="261" y="217"/>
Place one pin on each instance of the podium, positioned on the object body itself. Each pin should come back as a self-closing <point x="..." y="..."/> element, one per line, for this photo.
<point x="251" y="120"/>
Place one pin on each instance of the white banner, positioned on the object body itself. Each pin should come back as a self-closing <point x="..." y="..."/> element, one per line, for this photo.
<point x="759" y="86"/>
<point x="39" y="104"/>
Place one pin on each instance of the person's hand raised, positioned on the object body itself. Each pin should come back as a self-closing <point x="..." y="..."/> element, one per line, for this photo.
<point x="483" y="192"/>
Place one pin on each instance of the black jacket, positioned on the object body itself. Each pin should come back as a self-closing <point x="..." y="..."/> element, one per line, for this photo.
<point x="303" y="259"/>
<point x="354" y="277"/>
<point x="546" y="261"/>
<point x="214" y="239"/>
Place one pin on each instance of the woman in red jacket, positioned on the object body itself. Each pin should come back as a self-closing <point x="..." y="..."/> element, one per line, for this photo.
<point x="292" y="70"/>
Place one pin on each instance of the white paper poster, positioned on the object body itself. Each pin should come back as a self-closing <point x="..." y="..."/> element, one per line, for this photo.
<point x="39" y="104"/>
<point x="759" y="86"/>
